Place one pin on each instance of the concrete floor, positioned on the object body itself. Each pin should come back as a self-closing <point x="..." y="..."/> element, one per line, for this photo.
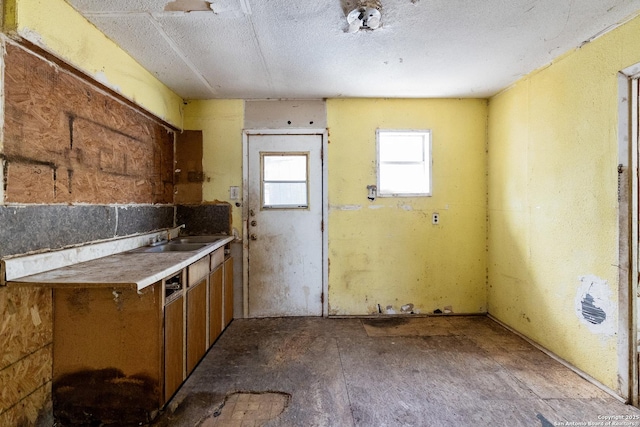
<point x="435" y="371"/>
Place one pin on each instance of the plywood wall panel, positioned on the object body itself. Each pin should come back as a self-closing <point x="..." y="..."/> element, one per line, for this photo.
<point x="35" y="409"/>
<point x="31" y="183"/>
<point x="97" y="149"/>
<point x="25" y="354"/>
<point x="24" y="376"/>
<point x="189" y="154"/>
<point x="26" y="324"/>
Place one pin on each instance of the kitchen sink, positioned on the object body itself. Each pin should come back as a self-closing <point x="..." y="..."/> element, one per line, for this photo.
<point x="197" y="239"/>
<point x="172" y="247"/>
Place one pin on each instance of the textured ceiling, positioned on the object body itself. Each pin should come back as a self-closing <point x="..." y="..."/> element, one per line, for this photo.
<point x="300" y="49"/>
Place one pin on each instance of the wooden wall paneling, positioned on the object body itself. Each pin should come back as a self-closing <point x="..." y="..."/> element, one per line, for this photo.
<point x="96" y="149"/>
<point x="35" y="409"/>
<point x="189" y="179"/>
<point x="25" y="353"/>
<point x="26" y="325"/>
<point x="18" y="380"/>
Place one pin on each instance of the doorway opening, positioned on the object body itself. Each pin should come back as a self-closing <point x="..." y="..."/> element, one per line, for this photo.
<point x="284" y="223"/>
<point x="628" y="236"/>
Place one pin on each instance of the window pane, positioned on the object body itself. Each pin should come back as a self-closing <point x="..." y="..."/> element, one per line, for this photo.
<point x="285" y="168"/>
<point x="402" y="148"/>
<point x="406" y="178"/>
<point x="285" y="194"/>
<point x="404" y="163"/>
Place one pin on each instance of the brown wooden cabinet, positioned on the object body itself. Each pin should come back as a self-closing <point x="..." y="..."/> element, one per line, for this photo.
<point x="124" y="353"/>
<point x="216" y="280"/>
<point x="174" y="363"/>
<point x="108" y="352"/>
<point x="196" y="323"/>
<point x="228" y="291"/>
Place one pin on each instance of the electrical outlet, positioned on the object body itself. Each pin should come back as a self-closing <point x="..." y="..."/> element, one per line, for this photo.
<point x="435" y="219"/>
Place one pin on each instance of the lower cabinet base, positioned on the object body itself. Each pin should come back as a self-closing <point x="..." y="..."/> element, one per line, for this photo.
<point x="119" y="355"/>
<point x="104" y="396"/>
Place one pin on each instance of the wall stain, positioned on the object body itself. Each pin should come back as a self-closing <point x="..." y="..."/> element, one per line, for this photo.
<point x="104" y="397"/>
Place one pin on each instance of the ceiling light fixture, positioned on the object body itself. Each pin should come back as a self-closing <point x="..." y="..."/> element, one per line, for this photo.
<point x="366" y="15"/>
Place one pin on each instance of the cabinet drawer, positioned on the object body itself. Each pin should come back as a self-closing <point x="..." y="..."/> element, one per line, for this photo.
<point x="217" y="257"/>
<point x="198" y="270"/>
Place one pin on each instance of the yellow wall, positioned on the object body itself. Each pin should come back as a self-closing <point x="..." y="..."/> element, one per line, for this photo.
<point x="388" y="252"/>
<point x="553" y="201"/>
<point x="221" y="122"/>
<point x="57" y="27"/>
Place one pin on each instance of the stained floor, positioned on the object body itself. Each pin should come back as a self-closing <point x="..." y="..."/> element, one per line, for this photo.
<point x="434" y="371"/>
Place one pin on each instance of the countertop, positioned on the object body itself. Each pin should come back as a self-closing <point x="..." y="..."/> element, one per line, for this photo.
<point x="133" y="270"/>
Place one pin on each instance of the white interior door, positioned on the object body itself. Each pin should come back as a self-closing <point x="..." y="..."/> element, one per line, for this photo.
<point x="285" y="225"/>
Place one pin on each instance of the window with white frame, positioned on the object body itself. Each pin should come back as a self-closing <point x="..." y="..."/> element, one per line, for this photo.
<point x="404" y="163"/>
<point x="285" y="183"/>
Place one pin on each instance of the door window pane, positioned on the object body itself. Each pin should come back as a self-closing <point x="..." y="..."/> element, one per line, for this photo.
<point x="284" y="181"/>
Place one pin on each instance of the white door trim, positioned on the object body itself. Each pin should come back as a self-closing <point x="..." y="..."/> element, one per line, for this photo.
<point x="628" y="233"/>
<point x="245" y="210"/>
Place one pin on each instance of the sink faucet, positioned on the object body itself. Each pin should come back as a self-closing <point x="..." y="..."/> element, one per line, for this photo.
<point x="158" y="241"/>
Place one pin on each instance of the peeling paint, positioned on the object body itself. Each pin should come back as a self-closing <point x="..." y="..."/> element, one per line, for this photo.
<point x="346" y="207"/>
<point x="101" y="77"/>
<point x="594" y="305"/>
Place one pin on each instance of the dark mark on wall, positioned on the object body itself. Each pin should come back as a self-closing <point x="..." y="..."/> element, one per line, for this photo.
<point x="89" y="398"/>
<point x="55" y="182"/>
<point x="71" y="118"/>
<point x="591" y="312"/>
<point x="28" y="161"/>
<point x="70" y="177"/>
<point x="109" y="128"/>
<point x="5" y="172"/>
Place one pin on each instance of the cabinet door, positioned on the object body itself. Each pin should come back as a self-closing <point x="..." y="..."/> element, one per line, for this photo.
<point x="173" y="346"/>
<point x="228" y="291"/>
<point x="196" y="323"/>
<point x="215" y="304"/>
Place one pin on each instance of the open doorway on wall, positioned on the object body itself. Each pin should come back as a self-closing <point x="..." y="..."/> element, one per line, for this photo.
<point x="628" y="196"/>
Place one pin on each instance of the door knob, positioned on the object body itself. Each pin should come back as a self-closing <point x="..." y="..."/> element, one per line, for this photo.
<point x="254" y="237"/>
<point x="254" y="223"/>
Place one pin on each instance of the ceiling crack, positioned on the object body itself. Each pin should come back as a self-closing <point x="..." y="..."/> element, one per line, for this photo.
<point x="246" y="8"/>
<point x="194" y="69"/>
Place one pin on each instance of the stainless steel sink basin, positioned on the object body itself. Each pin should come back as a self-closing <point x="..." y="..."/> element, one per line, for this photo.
<point x="197" y="239"/>
<point x="172" y="247"/>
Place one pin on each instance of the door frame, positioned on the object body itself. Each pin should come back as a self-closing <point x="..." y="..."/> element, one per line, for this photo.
<point x="628" y="233"/>
<point x="246" y="133"/>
